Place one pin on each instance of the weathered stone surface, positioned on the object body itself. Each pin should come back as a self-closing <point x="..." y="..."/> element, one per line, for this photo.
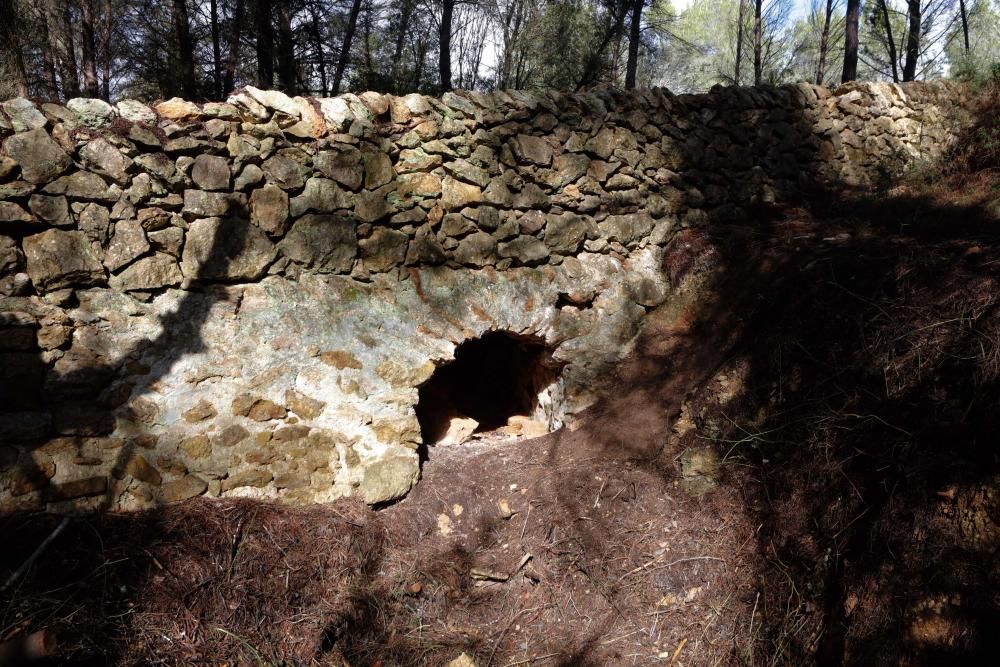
<point x="225" y="249"/>
<point x="13" y="213"/>
<point x="275" y="100"/>
<point x="23" y="114"/>
<point x="200" y="204"/>
<point x="532" y="149"/>
<point x="177" y="109"/>
<point x="92" y="112"/>
<point x="53" y="210"/>
<point x="136" y="112"/>
<point x="128" y="243"/>
<point x="186" y="487"/>
<point x="41" y="158"/>
<point x="325" y="243"/>
<point x="149" y="273"/>
<point x="384" y="249"/>
<point x="59" y="259"/>
<point x="378" y="169"/>
<point x="477" y="249"/>
<point x="344" y="166"/>
<point x="82" y="185"/>
<point x="211" y="172"/>
<point x="320" y="195"/>
<point x="303" y="405"/>
<point x="526" y="250"/>
<point x="106" y="159"/>
<point x="269" y="209"/>
<point x="284" y="172"/>
<point x="566" y="232"/>
<point x="457" y="195"/>
<point x="139" y="468"/>
<point x="388" y="479"/>
<point x="253" y="478"/>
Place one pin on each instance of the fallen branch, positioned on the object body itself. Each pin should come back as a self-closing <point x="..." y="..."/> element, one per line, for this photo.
<point x="19" y="572"/>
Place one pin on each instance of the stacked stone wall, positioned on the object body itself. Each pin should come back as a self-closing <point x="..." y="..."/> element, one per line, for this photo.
<point x="243" y="298"/>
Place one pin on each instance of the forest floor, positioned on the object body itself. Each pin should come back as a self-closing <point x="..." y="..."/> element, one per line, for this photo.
<point x="797" y="464"/>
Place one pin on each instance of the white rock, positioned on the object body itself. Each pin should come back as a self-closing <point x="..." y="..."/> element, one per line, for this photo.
<point x="274" y="99"/>
<point x="337" y="113"/>
<point x="24" y="115"/>
<point x="92" y="112"/>
<point x="135" y="111"/>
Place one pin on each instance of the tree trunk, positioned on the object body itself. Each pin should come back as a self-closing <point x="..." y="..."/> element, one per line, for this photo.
<point x="406" y="13"/>
<point x="758" y="40"/>
<point x="10" y="44"/>
<point x="318" y="45"/>
<point x="444" y="45"/>
<point x="106" y="31"/>
<point x="965" y="24"/>
<point x="233" y="57"/>
<point x="216" y="50"/>
<point x="48" y="58"/>
<point x="912" y="41"/>
<point x="345" y="47"/>
<point x="286" y="49"/>
<point x="890" y="43"/>
<point x="88" y="50"/>
<point x="185" y="50"/>
<point x="61" y="36"/>
<point x="740" y="21"/>
<point x="635" y="31"/>
<point x="824" y="43"/>
<point x="851" y="41"/>
<point x="265" y="44"/>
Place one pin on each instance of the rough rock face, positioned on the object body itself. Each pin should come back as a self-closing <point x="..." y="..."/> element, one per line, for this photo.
<point x="244" y="298"/>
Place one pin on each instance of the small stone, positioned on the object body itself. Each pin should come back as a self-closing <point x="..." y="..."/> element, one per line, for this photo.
<point x="456" y="195"/>
<point x="468" y="172"/>
<point x="41" y="158"/>
<point x="388" y="479"/>
<point x="196" y="447"/>
<point x="78" y="488"/>
<point x="324" y="243"/>
<point x="264" y="410"/>
<point x="249" y="177"/>
<point x="149" y="273"/>
<point x="177" y="109"/>
<point x="53" y="210"/>
<point x="11" y="212"/>
<point x="378" y="169"/>
<point x="211" y="172"/>
<point x="105" y="159"/>
<point x="83" y="185"/>
<point x="384" y="249"/>
<point x="186" y="487"/>
<point x="200" y="204"/>
<point x="525" y="249"/>
<point x="139" y="468"/>
<point x="477" y="249"/>
<point x="321" y="195"/>
<point x="128" y="243"/>
<point x="303" y="405"/>
<point x="269" y="209"/>
<point x="463" y="660"/>
<point x="136" y="112"/>
<point x="167" y="240"/>
<point x="340" y="359"/>
<point x="232" y="435"/>
<point x="284" y="172"/>
<point x="253" y="478"/>
<point x="532" y="149"/>
<point x="344" y="166"/>
<point x="274" y="99"/>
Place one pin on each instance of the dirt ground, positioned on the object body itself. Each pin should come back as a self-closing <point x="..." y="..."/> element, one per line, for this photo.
<point x="798" y="464"/>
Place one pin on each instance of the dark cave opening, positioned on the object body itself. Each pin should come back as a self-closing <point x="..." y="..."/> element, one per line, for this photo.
<point x="492" y="379"/>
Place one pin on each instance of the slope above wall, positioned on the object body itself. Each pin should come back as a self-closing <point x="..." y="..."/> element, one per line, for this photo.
<point x="245" y="298"/>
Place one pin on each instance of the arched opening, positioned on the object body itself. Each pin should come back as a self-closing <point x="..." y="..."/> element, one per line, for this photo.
<point x="498" y="382"/>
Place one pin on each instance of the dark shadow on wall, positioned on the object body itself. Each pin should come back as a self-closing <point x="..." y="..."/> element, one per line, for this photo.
<point x="867" y="385"/>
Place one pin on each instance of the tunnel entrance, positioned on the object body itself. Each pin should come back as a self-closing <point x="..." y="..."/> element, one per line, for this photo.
<point x="500" y="381"/>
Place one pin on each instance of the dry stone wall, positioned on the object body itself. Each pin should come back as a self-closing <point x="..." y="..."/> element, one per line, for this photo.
<point x="244" y="298"/>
